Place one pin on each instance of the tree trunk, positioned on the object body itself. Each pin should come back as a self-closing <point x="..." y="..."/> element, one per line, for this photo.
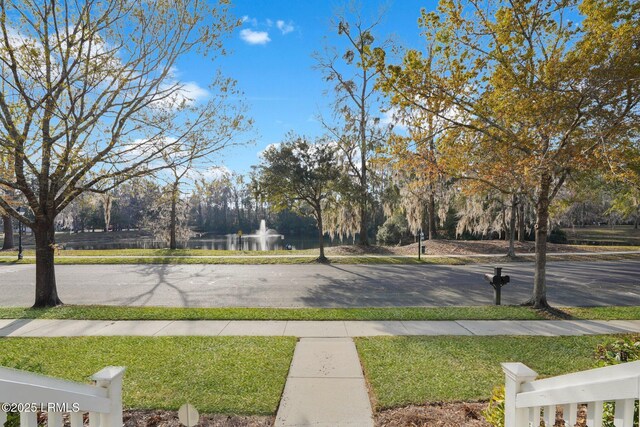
<point x="431" y="213"/>
<point x="238" y="211"/>
<point x="512" y="226"/>
<point x="8" y="232"/>
<point x="46" y="291"/>
<point x="107" y="202"/>
<point x="539" y="297"/>
<point x="321" y="258"/>
<point x="504" y="224"/>
<point x="172" y="221"/>
<point x="363" y="237"/>
<point x="521" y="223"/>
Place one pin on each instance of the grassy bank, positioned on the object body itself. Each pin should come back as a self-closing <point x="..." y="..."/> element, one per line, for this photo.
<point x="298" y="258"/>
<point x="400" y="313"/>
<point x="231" y="375"/>
<point x="414" y="370"/>
<point x="604" y="235"/>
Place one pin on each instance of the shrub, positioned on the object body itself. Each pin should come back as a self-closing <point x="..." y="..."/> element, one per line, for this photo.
<point x="494" y="414"/>
<point x="557" y="235"/>
<point x="393" y="231"/>
<point x="620" y="351"/>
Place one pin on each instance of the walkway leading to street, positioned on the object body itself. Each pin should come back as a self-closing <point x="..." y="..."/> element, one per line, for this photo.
<point x="309" y="329"/>
<point x="325" y="386"/>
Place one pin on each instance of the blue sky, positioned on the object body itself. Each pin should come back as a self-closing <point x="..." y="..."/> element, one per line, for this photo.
<point x="271" y="59"/>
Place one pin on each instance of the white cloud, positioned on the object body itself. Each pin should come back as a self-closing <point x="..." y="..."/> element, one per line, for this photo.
<point x="252" y="21"/>
<point x="193" y="92"/>
<point x="254" y="37"/>
<point x="285" y="27"/>
<point x="391" y="117"/>
<point x="185" y="93"/>
<point x="269" y="23"/>
<point x="213" y="173"/>
<point x="274" y="146"/>
<point x="142" y="149"/>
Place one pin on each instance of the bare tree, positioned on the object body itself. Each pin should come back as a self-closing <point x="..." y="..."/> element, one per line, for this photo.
<point x="185" y="159"/>
<point x="89" y="100"/>
<point x="353" y="73"/>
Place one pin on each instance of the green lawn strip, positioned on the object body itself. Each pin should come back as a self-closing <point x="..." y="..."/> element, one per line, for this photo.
<point x="603" y="313"/>
<point x="169" y="252"/>
<point x="168" y="260"/>
<point x="292" y="259"/>
<point x="228" y="375"/>
<point x="84" y="312"/>
<point x="142" y="253"/>
<point x="172" y="313"/>
<point x="603" y="248"/>
<point x="622" y="234"/>
<point x="414" y="370"/>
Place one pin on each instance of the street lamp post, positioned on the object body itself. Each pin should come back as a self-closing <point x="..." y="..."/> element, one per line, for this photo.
<point x="19" y="209"/>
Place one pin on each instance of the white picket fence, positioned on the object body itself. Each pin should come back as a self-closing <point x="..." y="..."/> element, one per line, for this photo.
<point x="29" y="391"/>
<point x="526" y="398"/>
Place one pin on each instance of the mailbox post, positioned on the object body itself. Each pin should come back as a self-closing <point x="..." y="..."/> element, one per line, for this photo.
<point x="497" y="280"/>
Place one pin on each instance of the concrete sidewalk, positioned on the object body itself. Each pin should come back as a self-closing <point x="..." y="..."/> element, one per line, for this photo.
<point x="309" y="329"/>
<point x="325" y="386"/>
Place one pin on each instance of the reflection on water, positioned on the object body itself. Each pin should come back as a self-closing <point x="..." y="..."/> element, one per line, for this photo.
<point x="214" y="242"/>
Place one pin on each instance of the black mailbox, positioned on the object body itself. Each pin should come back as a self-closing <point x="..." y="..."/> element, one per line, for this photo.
<point x="497" y="280"/>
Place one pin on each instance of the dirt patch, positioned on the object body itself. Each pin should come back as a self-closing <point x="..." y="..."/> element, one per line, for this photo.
<point x="159" y="418"/>
<point x="454" y="247"/>
<point x="453" y="415"/>
<point x="434" y="415"/>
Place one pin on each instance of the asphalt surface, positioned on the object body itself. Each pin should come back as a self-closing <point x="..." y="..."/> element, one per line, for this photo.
<point x="313" y="285"/>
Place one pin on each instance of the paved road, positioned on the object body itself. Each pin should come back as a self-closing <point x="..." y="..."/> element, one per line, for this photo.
<point x="569" y="283"/>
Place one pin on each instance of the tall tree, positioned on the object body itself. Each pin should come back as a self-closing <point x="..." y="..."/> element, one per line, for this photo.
<point x="7" y="223"/>
<point x="302" y="176"/>
<point x="416" y="155"/>
<point x="522" y="79"/>
<point x="352" y="71"/>
<point x="89" y="100"/>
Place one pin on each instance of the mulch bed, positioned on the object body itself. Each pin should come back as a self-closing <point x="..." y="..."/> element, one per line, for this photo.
<point x="158" y="418"/>
<point x="455" y="414"/>
<point x="434" y="415"/>
<point x="452" y="415"/>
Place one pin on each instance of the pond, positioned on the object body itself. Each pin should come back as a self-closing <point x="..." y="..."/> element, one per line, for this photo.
<point x="206" y="241"/>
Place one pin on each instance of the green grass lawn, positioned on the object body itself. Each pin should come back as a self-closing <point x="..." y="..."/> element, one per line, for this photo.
<point x="619" y="235"/>
<point x="172" y="252"/>
<point x="415" y="370"/>
<point x="228" y="375"/>
<point x="192" y="256"/>
<point x="489" y="312"/>
<point x="171" y="313"/>
<point x="604" y="313"/>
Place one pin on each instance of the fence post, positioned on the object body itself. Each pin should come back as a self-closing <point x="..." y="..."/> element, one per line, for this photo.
<point x="515" y="375"/>
<point x="111" y="379"/>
